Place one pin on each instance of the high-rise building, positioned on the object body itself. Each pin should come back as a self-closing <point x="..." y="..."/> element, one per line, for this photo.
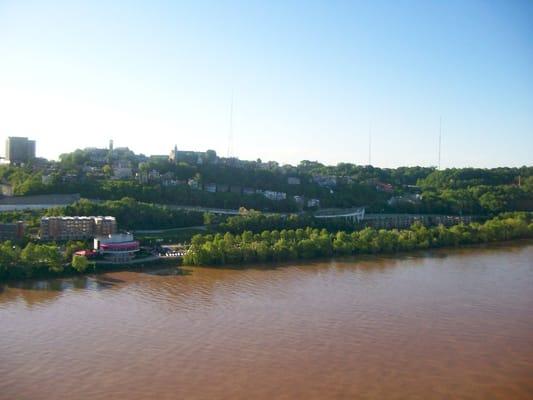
<point x="19" y="150"/>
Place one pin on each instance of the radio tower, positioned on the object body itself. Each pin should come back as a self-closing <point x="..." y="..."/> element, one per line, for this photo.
<point x="370" y="145"/>
<point x="230" y="133"/>
<point x="440" y="137"/>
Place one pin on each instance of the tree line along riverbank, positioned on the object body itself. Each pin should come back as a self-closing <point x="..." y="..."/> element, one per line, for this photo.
<point x="293" y="244"/>
<point x="48" y="260"/>
<point x="36" y="260"/>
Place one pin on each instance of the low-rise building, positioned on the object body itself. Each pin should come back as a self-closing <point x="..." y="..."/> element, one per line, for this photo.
<point x="293" y="180"/>
<point x="272" y="195"/>
<point x="384" y="187"/>
<point x="193" y="157"/>
<point x="312" y="203"/>
<point x="328" y="181"/>
<point x="76" y="228"/>
<point x="117" y="247"/>
<point x="154" y="175"/>
<point x="47" y="179"/>
<point x="173" y="182"/>
<point x="70" y="178"/>
<point x="210" y="187"/>
<point x="97" y="156"/>
<point x="193" y="183"/>
<point x="122" y="172"/>
<point x="405" y="199"/>
<point x="299" y="200"/>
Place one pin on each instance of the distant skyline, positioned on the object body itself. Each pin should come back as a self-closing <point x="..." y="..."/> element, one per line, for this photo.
<point x="307" y="78"/>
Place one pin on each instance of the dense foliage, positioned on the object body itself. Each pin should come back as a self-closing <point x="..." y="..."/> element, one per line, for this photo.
<point x="32" y="260"/>
<point x="450" y="191"/>
<point x="310" y="243"/>
<point x="40" y="260"/>
<point x="32" y="218"/>
<point x="257" y="222"/>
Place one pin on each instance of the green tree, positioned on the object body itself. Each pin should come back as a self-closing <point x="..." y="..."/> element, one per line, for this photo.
<point x="80" y="263"/>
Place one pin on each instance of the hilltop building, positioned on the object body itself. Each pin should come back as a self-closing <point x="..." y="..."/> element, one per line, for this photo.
<point x="20" y="150"/>
<point x="193" y="157"/>
<point x="328" y="181"/>
<point x="293" y="180"/>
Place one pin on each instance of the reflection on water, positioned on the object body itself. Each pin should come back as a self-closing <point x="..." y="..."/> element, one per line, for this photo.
<point x="436" y="324"/>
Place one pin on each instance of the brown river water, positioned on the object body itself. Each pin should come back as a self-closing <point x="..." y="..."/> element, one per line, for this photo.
<point x="446" y="324"/>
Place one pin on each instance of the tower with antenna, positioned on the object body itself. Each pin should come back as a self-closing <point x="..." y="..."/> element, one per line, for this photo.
<point x="440" y="140"/>
<point x="230" y="133"/>
<point x="370" y="145"/>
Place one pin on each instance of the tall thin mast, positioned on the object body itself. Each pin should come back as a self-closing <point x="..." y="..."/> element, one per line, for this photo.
<point x="230" y="133"/>
<point x="440" y="137"/>
<point x="370" y="145"/>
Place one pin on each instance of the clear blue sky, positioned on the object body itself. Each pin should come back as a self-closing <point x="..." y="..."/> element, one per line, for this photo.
<point x="308" y="78"/>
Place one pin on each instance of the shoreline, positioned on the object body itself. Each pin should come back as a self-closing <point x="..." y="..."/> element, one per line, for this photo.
<point x="519" y="242"/>
<point x="175" y="263"/>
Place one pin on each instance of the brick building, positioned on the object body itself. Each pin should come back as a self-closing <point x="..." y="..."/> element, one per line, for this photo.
<point x="76" y="228"/>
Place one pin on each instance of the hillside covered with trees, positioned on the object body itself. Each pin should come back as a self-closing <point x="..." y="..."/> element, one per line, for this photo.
<point x="203" y="179"/>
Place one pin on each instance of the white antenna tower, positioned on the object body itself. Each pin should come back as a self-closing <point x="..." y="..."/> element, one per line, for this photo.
<point x="230" y="134"/>
<point x="370" y="145"/>
<point x="440" y="137"/>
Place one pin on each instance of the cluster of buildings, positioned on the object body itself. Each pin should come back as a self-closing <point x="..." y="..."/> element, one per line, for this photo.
<point x="273" y="195"/>
<point x="110" y="245"/>
<point x="107" y="243"/>
<point x="122" y="163"/>
<point x="193" y="157"/>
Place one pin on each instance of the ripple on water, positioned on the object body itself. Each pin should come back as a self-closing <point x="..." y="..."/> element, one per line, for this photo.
<point x="453" y="324"/>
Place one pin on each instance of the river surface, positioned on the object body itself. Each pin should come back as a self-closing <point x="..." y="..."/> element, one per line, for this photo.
<point x="432" y="325"/>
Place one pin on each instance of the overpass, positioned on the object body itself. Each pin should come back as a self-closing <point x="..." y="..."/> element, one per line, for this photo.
<point x="351" y="214"/>
<point x="218" y="211"/>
